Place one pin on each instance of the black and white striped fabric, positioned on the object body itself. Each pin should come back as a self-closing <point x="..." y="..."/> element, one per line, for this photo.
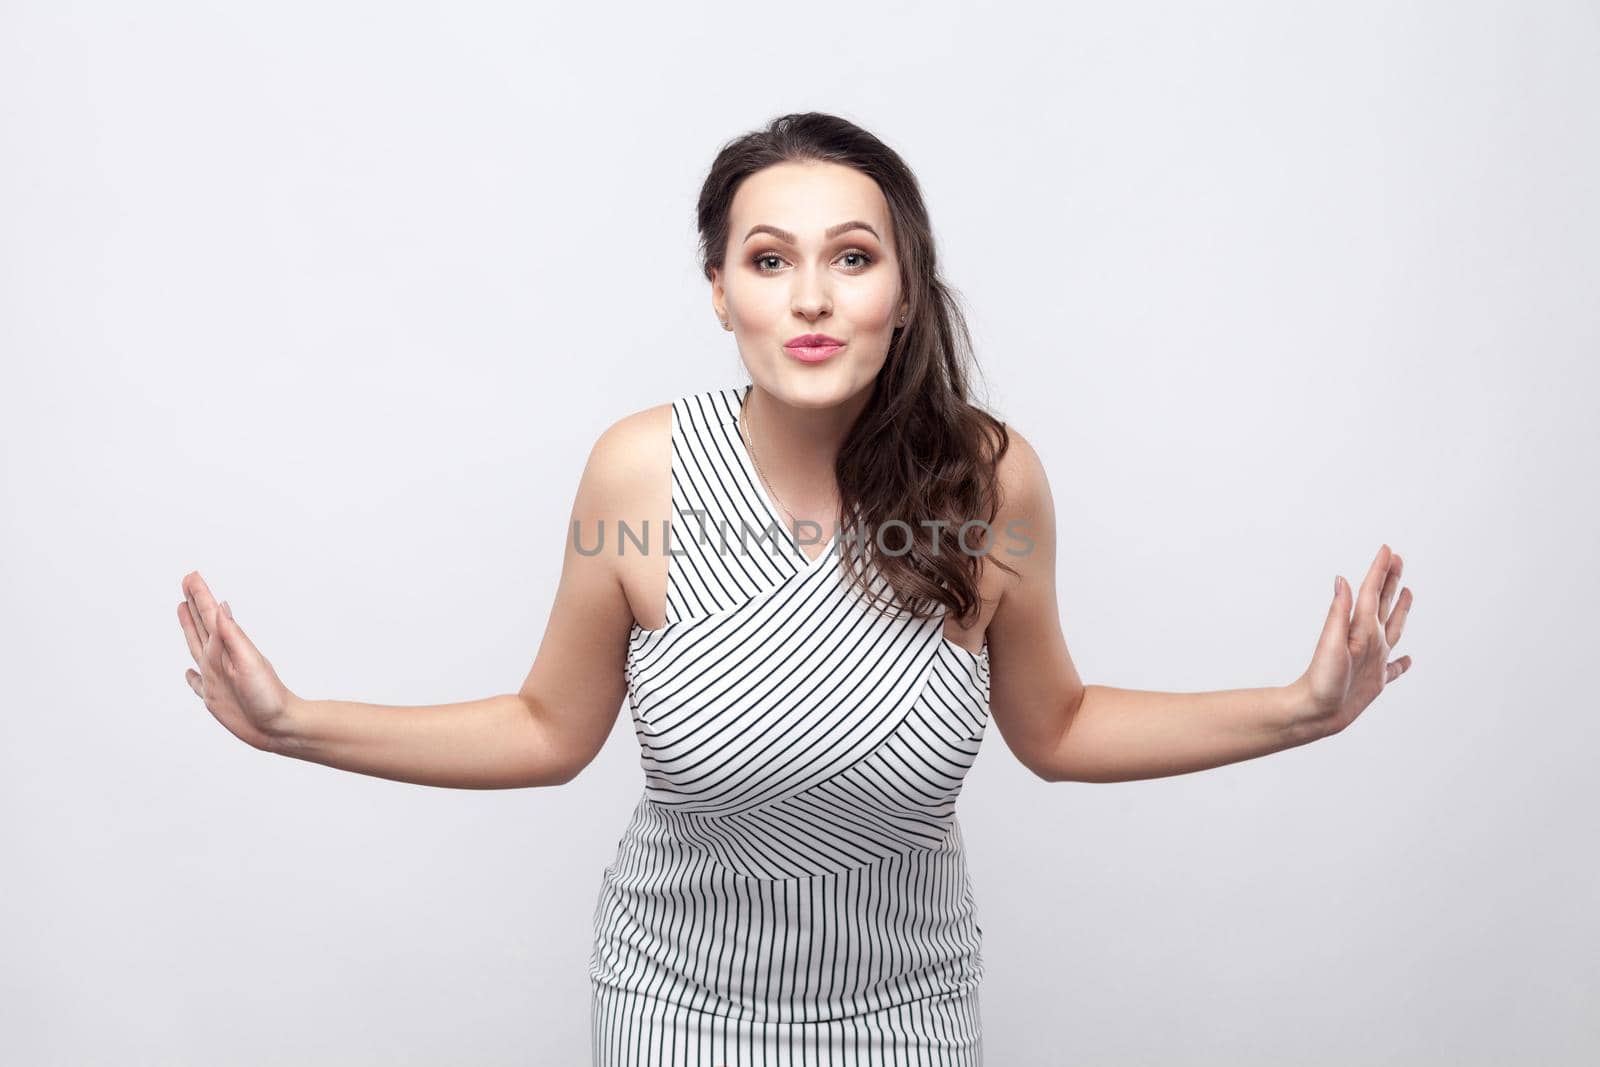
<point x="792" y="887"/>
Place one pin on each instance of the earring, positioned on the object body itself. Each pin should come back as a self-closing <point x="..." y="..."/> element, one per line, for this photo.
<point x="725" y="325"/>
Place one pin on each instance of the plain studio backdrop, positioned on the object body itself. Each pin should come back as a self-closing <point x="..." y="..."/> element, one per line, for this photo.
<point x="330" y="301"/>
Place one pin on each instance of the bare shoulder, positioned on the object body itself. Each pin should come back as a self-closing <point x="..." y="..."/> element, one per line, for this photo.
<point x="628" y="482"/>
<point x="1023" y="483"/>
<point x="1025" y="520"/>
<point x="633" y="452"/>
<point x="627" y="479"/>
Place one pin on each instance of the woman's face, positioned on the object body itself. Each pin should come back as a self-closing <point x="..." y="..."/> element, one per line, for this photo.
<point x="787" y="275"/>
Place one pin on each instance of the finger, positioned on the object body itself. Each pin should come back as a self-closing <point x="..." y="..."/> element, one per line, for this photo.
<point x="1391" y="585"/>
<point x="1367" y="601"/>
<point x="216" y="659"/>
<point x="201" y="603"/>
<point x="1336" y="627"/>
<point x="1396" y="669"/>
<point x="196" y="683"/>
<point x="1397" y="620"/>
<point x="240" y="648"/>
<point x="196" y="646"/>
<point x="195" y="617"/>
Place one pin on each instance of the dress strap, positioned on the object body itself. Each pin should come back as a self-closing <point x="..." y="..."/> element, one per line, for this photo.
<point x="724" y="545"/>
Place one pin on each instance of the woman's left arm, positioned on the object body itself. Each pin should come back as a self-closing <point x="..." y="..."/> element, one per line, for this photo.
<point x="1123" y="735"/>
<point x="1064" y="730"/>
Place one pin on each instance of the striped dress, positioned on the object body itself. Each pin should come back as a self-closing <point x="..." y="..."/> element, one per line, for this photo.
<point x="792" y="886"/>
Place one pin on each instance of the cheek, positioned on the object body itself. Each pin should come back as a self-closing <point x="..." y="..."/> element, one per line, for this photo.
<point x="758" y="303"/>
<point x="872" y="308"/>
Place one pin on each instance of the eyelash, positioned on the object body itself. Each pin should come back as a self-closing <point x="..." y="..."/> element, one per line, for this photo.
<point x="756" y="262"/>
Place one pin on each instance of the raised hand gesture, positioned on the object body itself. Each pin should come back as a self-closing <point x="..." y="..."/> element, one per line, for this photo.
<point x="238" y="685"/>
<point x="1351" y="664"/>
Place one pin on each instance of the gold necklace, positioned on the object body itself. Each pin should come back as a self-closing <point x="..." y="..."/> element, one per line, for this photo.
<point x="750" y="446"/>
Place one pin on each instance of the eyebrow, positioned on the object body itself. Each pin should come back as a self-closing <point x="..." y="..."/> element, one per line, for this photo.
<point x="833" y="231"/>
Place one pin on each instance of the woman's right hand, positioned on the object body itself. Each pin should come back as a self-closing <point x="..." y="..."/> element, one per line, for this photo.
<point x="238" y="685"/>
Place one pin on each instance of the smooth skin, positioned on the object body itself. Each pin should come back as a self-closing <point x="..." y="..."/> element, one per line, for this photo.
<point x="794" y="267"/>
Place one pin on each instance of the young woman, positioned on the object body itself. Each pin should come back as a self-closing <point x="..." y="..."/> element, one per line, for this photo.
<point x="860" y="571"/>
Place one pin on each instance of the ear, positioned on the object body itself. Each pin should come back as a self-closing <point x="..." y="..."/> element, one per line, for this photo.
<point x="719" y="299"/>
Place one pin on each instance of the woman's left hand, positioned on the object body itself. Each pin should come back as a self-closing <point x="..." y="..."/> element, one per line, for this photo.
<point x="1351" y="664"/>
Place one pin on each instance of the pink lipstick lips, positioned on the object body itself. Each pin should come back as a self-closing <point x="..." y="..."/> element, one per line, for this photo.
<point x="812" y="347"/>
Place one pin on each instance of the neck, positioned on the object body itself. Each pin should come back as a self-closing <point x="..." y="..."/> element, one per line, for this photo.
<point x="797" y="448"/>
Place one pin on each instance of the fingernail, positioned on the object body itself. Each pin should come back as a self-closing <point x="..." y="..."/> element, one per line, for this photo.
<point x="227" y="609"/>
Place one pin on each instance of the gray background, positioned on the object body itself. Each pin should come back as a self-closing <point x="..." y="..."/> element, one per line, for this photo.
<point x="329" y="301"/>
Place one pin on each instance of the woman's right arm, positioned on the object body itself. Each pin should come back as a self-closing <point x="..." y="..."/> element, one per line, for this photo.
<point x="544" y="734"/>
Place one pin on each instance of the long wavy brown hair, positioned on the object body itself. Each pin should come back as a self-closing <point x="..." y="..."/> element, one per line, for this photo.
<point x="922" y="458"/>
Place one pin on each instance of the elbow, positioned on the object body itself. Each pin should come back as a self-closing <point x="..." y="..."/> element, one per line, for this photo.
<point x="1053" y="768"/>
<point x="551" y="756"/>
<point x="1055" y="772"/>
<point x="1057" y="766"/>
<point x="567" y="773"/>
<point x="560" y="768"/>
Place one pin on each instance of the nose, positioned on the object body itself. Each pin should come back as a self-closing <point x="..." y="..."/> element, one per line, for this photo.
<point x="811" y="297"/>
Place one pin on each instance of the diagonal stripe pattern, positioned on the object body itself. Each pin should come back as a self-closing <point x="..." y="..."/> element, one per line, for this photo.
<point x="792" y="886"/>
